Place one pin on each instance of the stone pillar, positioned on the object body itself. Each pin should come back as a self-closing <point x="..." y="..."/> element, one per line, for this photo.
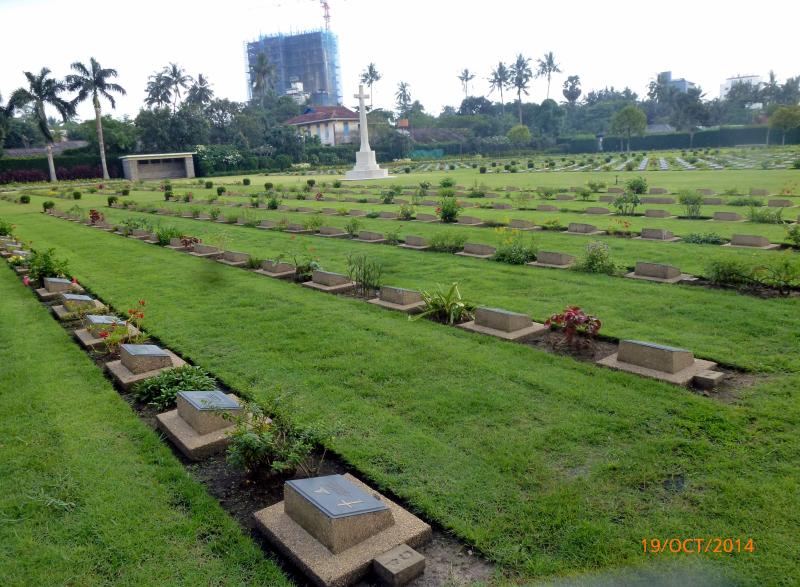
<point x="189" y="162"/>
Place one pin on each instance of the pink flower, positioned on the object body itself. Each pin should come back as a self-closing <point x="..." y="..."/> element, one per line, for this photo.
<point x="26" y="280"/>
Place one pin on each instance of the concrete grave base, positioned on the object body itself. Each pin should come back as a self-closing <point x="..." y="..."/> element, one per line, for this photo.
<point x="674" y="239"/>
<point x="48" y="296"/>
<point x="373" y="241"/>
<point x="682" y="377"/>
<point x="534" y="330"/>
<point x="329" y="570"/>
<point x="276" y="274"/>
<point x="127" y="379"/>
<point x="414" y="248"/>
<point x="408" y="308"/>
<point x="330" y="288"/>
<point x="549" y="265"/>
<point x="769" y="247"/>
<point x="334" y="235"/>
<point x="192" y="444"/>
<point x="681" y="277"/>
<point x="593" y="233"/>
<point x="299" y="231"/>
<point x="63" y="314"/>
<point x="89" y="341"/>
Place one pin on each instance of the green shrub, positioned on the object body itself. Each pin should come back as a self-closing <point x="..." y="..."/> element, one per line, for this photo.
<point x="780" y="271"/>
<point x="407" y="212"/>
<point x="260" y="445"/>
<point x="48" y="205"/>
<point x="311" y="182"/>
<point x="477" y="191"/>
<point x="482" y="169"/>
<point x="448" y="209"/>
<point x="125" y="191"/>
<point x="43" y="264"/>
<point x="25" y="199"/>
<point x="596" y="259"/>
<point x="165" y="233"/>
<point x="311" y="223"/>
<point x="748" y="201"/>
<point x="792" y="234"/>
<point x="352" y="226"/>
<point x="584" y="194"/>
<point x="637" y="185"/>
<point x="76" y="195"/>
<point x="691" y="202"/>
<point x="407" y="169"/>
<point x="626" y="203"/>
<point x="272" y="203"/>
<point x="546" y="193"/>
<point x="447" y="242"/>
<point x="515" y="248"/>
<point x="365" y="273"/>
<point x="446" y="307"/>
<point x="729" y="271"/>
<point x="160" y="391"/>
<point x="209" y="185"/>
<point x="765" y="215"/>
<point x="112" y="200"/>
<point x="246" y="181"/>
<point x="221" y="190"/>
<point x="336" y="183"/>
<point x="700" y="238"/>
<point x="447" y="182"/>
<point x="796" y="164"/>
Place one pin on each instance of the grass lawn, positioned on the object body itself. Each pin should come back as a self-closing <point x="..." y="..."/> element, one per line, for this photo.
<point x="550" y="466"/>
<point x="88" y="494"/>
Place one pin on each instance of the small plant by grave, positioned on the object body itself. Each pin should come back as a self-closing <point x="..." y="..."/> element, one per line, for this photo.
<point x="246" y="181"/>
<point x="160" y="391"/>
<point x="76" y="195"/>
<point x="48" y="205"/>
<point x="627" y="203"/>
<point x="365" y="272"/>
<point x="793" y="234"/>
<point x="546" y="193"/>
<point x="166" y="233"/>
<point x="577" y="327"/>
<point x="477" y="191"/>
<point x="407" y="212"/>
<point x="447" y="182"/>
<point x="448" y="209"/>
<point x="515" y="248"/>
<point x="353" y="226"/>
<point x="765" y="215"/>
<point x="446" y="306"/>
<point x="6" y="228"/>
<point x="691" y="202"/>
<point x="620" y="227"/>
<point x="221" y="190"/>
<point x="729" y="271"/>
<point x="781" y="272"/>
<point x="95" y="216"/>
<point x="312" y="223"/>
<point x="637" y="185"/>
<point x="704" y="238"/>
<point x="596" y="259"/>
<point x="112" y="200"/>
<point x="585" y="194"/>
<point x="596" y="186"/>
<point x="25" y="199"/>
<point x="188" y="241"/>
<point x="747" y="201"/>
<point x="44" y="263"/>
<point x="209" y="185"/>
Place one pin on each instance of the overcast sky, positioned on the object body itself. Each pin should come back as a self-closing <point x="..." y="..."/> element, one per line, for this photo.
<point x="423" y="42"/>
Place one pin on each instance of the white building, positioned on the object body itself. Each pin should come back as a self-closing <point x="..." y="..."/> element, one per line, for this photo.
<point x="333" y="125"/>
<point x="724" y="88"/>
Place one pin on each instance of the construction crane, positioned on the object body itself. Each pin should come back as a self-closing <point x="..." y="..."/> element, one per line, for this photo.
<point x="327" y="10"/>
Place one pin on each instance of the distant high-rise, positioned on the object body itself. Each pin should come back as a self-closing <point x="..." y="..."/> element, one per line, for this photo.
<point x="679" y="84"/>
<point x="305" y="62"/>
<point x="753" y="80"/>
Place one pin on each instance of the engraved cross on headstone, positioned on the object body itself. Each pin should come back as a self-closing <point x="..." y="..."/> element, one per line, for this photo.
<point x="362" y="118"/>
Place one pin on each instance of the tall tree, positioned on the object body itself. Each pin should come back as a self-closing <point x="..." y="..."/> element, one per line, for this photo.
<point x="521" y="75"/>
<point x="158" y="91"/>
<point x="176" y="78"/>
<point x="43" y="90"/>
<point x="369" y="76"/>
<point x="572" y="89"/>
<point x="784" y="119"/>
<point x="628" y="122"/>
<point x="200" y="94"/>
<point x="499" y="80"/>
<point x="261" y="73"/>
<point x="547" y="66"/>
<point x="689" y="112"/>
<point x="465" y="77"/>
<point x="403" y="98"/>
<point x="94" y="81"/>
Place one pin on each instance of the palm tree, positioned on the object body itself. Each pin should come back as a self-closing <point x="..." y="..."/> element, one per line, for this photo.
<point x="499" y="81"/>
<point x="261" y="73"/>
<point x="403" y="96"/>
<point x="43" y="89"/>
<point x="93" y="81"/>
<point x="176" y="78"/>
<point x="369" y="76"/>
<point x="200" y="94"/>
<point x="521" y="75"/>
<point x="547" y="67"/>
<point x="465" y="77"/>
<point x="158" y="91"/>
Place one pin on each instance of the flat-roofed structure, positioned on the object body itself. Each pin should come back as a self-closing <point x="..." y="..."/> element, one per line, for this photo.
<point x="158" y="166"/>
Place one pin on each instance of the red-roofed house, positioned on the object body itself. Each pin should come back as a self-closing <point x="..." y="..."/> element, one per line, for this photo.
<point x="333" y="125"/>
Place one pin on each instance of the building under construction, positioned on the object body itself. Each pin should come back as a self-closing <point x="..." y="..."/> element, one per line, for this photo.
<point x="305" y="65"/>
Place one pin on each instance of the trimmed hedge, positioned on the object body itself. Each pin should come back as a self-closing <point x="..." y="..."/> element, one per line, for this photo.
<point x="28" y="169"/>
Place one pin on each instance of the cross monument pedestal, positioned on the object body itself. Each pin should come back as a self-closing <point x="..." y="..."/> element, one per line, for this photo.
<point x="366" y="167"/>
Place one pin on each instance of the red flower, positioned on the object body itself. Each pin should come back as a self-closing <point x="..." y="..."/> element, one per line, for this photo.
<point x="26" y="280"/>
<point x="74" y="281"/>
<point x="103" y="334"/>
<point x="142" y="302"/>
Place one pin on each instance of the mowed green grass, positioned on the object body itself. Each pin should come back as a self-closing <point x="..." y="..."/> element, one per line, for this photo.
<point x="550" y="466"/>
<point x="722" y="325"/>
<point x="88" y="494"/>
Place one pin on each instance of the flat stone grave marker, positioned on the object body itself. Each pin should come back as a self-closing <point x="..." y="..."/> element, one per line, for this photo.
<point x="477" y="250"/>
<point x="649" y="200"/>
<point x="72" y="303"/>
<point x="658" y="234"/>
<point x="329" y="282"/>
<point x="277" y="269"/>
<point x="366" y="236"/>
<point x="517" y="224"/>
<point x="582" y="228"/>
<point x="89" y="336"/>
<point x="705" y="192"/>
<point x="713" y="201"/>
<point x="758" y="192"/>
<point x="503" y="324"/>
<point x="426" y="218"/>
<point x="658" y="272"/>
<point x="615" y="190"/>
<point x="470" y="221"/>
<point x="547" y="208"/>
<point x="234" y="258"/>
<point x="357" y="212"/>
<point x="729" y="216"/>
<point x="266" y="224"/>
<point x="780" y="203"/>
<point x="674" y="365"/>
<point x="293" y="228"/>
<point x="501" y="206"/>
<point x="657" y="213"/>
<point x="398" y="566"/>
<point x="751" y="240"/>
<point x="331" y="232"/>
<point x="429" y="203"/>
<point x="53" y="286"/>
<point x="175" y="243"/>
<point x="597" y="210"/>
<point x="658" y="191"/>
<point x="397" y="298"/>
<point x="389" y="215"/>
<point x="564" y="197"/>
<point x="305" y="209"/>
<point x="141" y="358"/>
<point x="415" y="242"/>
<point x="205" y="251"/>
<point x="140" y="234"/>
<point x="197" y="426"/>
<point x="553" y="259"/>
<point x="606" y="198"/>
<point x="332" y="527"/>
<point x="329" y="211"/>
